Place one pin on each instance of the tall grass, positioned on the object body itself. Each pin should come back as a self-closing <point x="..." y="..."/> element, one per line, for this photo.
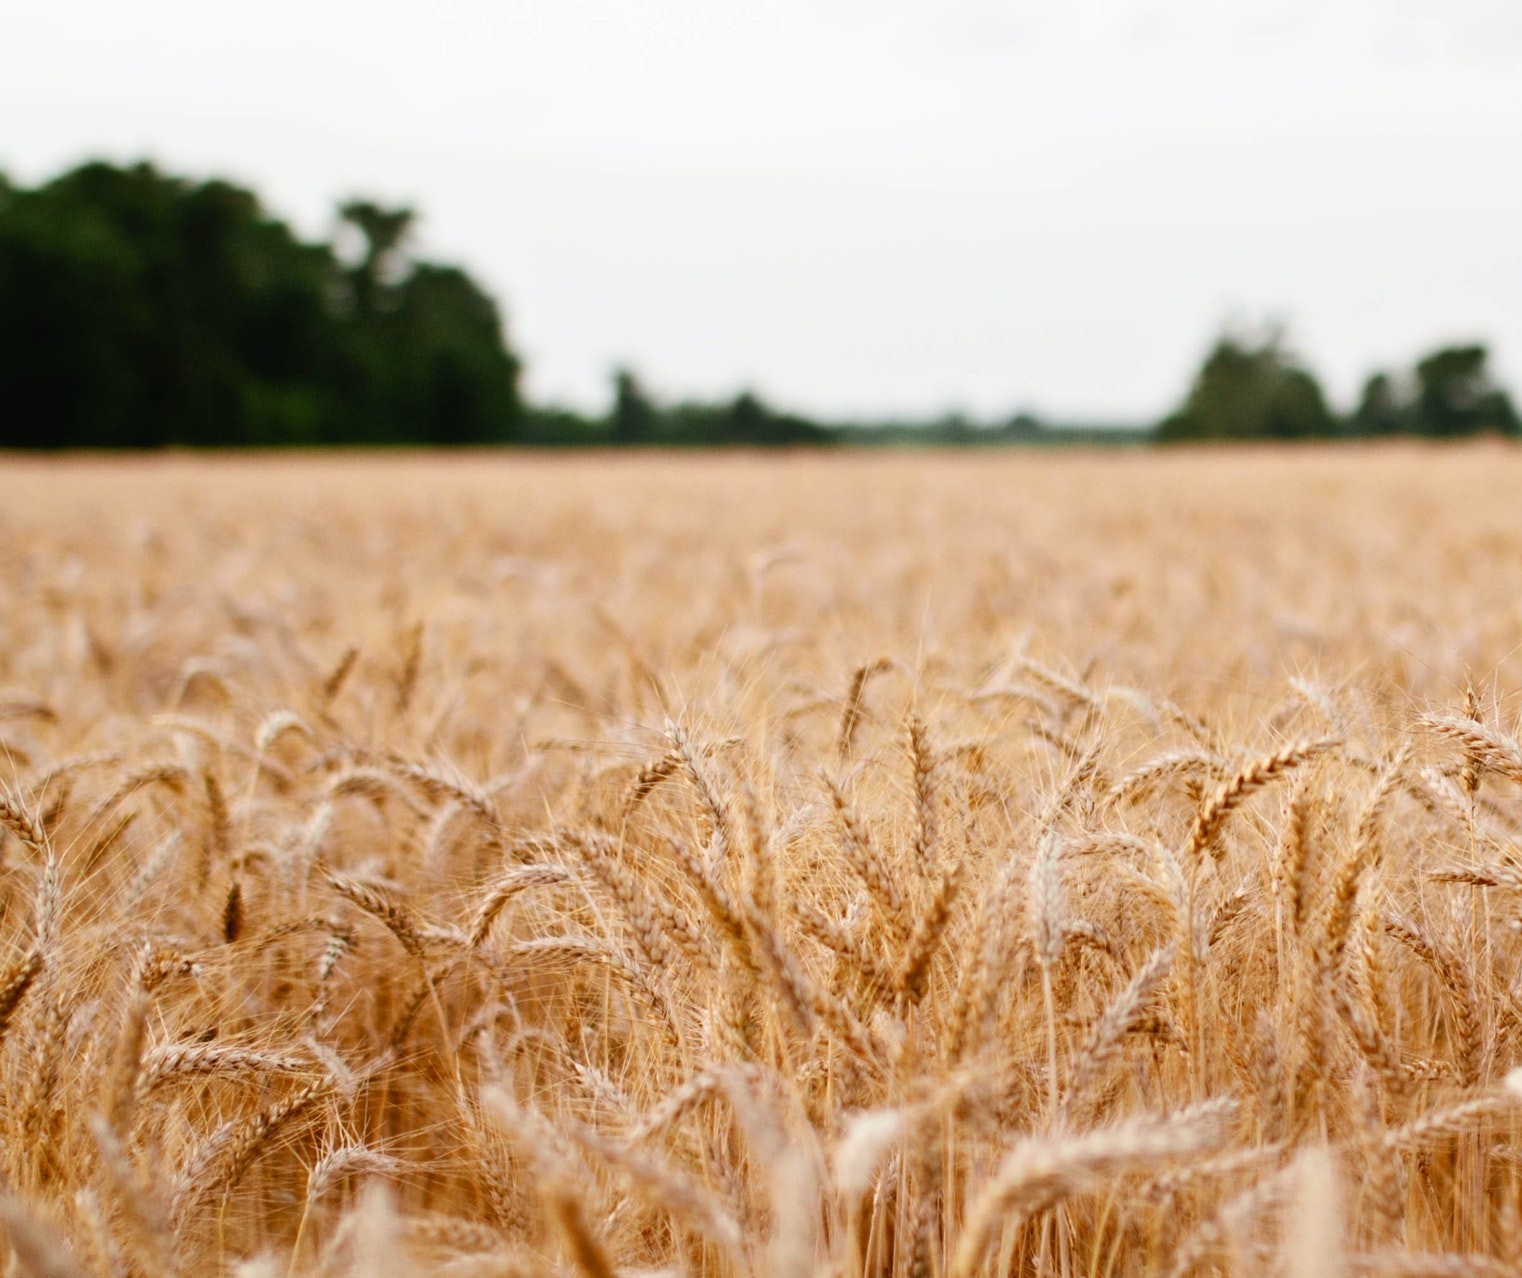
<point x="1080" y="866"/>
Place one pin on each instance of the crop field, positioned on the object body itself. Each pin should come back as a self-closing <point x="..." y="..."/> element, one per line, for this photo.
<point x="810" y="865"/>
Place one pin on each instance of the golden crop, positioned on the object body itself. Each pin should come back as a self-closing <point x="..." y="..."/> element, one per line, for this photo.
<point x="1010" y="864"/>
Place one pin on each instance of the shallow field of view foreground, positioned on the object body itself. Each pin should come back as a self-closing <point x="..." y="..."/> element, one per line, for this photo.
<point x="795" y="866"/>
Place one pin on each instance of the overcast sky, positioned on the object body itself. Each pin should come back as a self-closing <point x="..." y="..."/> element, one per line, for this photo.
<point x="856" y="205"/>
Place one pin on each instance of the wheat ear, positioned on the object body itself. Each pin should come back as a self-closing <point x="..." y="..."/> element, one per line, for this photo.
<point x="1235" y="790"/>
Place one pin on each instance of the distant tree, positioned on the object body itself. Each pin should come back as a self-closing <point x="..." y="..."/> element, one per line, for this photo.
<point x="555" y="426"/>
<point x="952" y="427"/>
<point x="633" y="417"/>
<point x="750" y="421"/>
<point x="1384" y="408"/>
<point x="1251" y="389"/>
<point x="385" y="233"/>
<point x="141" y="309"/>
<point x="454" y="379"/>
<point x="1456" y="396"/>
<point x="1449" y="393"/>
<point x="747" y="420"/>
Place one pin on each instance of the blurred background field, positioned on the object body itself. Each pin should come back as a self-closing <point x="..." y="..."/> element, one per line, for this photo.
<point x="1393" y="558"/>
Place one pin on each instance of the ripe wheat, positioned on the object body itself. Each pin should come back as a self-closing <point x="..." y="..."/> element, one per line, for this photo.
<point x="798" y="868"/>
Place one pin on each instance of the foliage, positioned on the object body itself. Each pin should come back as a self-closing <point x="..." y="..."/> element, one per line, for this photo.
<point x="1382" y="408"/>
<point x="633" y="415"/>
<point x="140" y="309"/>
<point x="1255" y="389"/>
<point x="637" y="417"/>
<point x="1449" y="393"/>
<point x="1251" y="388"/>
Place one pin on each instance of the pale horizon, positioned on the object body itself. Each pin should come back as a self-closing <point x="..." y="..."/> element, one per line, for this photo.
<point x="858" y="210"/>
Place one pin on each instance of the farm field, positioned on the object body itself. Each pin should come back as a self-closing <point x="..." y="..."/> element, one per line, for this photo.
<point x="822" y="864"/>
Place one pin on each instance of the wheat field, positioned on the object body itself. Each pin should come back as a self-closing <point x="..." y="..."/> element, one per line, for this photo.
<point x="831" y="865"/>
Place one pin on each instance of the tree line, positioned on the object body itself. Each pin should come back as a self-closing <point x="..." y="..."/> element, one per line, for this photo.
<point x="1255" y="387"/>
<point x="140" y="309"/>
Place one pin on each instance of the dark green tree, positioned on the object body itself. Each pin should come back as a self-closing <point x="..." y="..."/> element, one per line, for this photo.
<point x="454" y="379"/>
<point x="141" y="309"/>
<point x="747" y="420"/>
<point x="634" y="416"/>
<point x="1455" y="395"/>
<point x="1251" y="388"/>
<point x="385" y="233"/>
<point x="1384" y="408"/>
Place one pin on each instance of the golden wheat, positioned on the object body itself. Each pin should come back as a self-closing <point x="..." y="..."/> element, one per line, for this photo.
<point x="808" y="867"/>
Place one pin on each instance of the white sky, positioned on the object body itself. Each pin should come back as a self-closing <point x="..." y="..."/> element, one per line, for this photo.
<point x="856" y="205"/>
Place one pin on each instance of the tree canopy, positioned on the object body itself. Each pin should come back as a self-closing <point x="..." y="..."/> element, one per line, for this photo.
<point x="1251" y="388"/>
<point x="1254" y="388"/>
<point x="141" y="309"/>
